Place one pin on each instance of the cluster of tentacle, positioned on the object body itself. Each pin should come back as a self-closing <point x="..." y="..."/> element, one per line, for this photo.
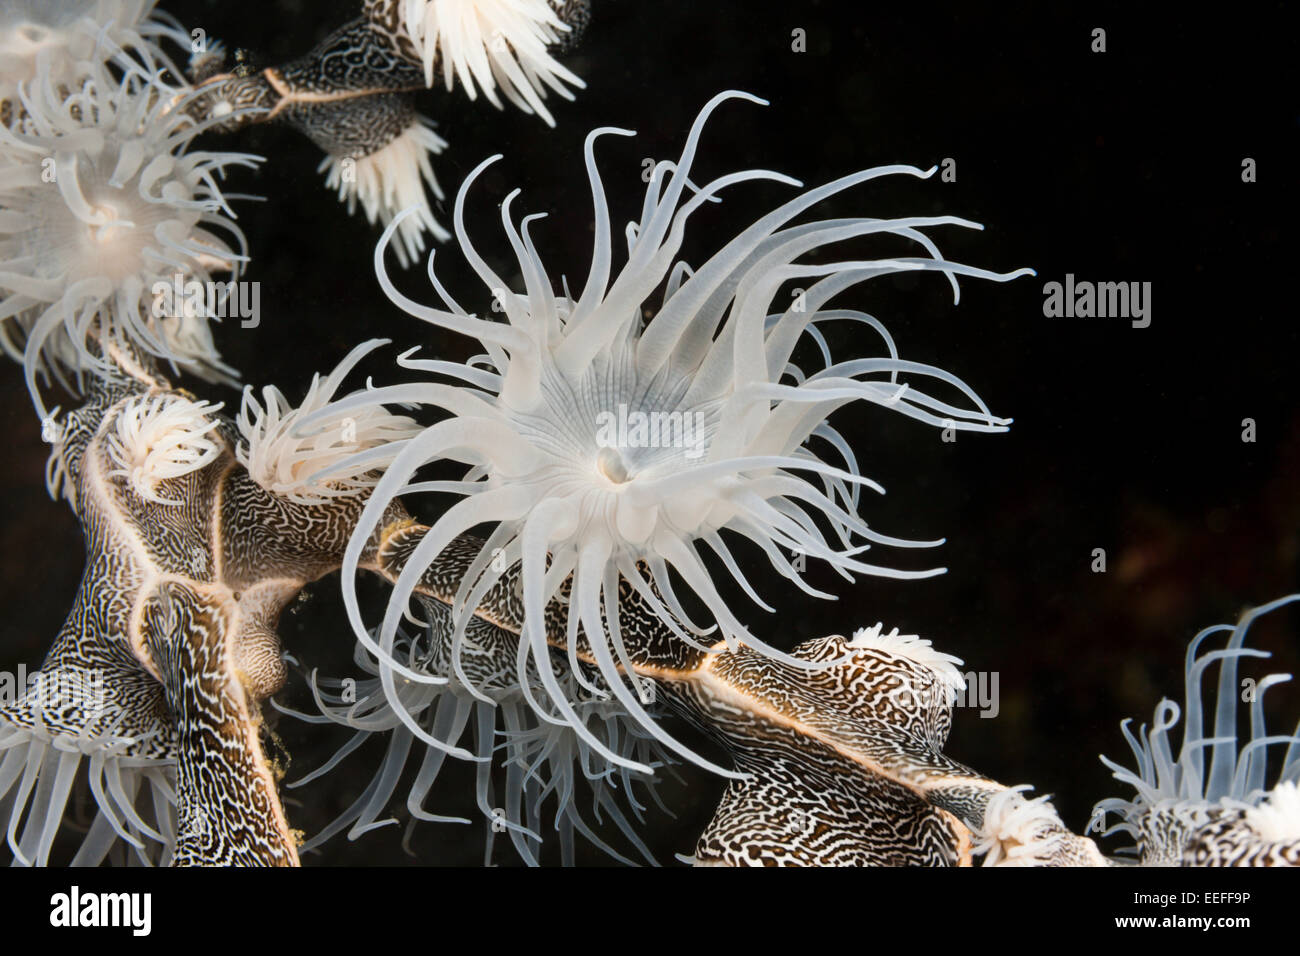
<point x="63" y="41"/>
<point x="114" y="225"/>
<point x="1211" y="802"/>
<point x="536" y="776"/>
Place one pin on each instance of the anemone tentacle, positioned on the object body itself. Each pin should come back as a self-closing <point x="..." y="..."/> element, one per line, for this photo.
<point x="392" y="179"/>
<point x="49" y="746"/>
<point x="282" y="459"/>
<point x="490" y="44"/>
<point x="544" y="763"/>
<point x="1181" y="808"/>
<point x="64" y="41"/>
<point x="113" y="228"/>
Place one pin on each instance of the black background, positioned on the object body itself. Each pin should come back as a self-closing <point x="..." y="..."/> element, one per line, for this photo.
<point x="1119" y="166"/>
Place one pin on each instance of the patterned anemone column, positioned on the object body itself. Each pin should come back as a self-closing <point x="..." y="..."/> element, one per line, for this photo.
<point x="157" y="678"/>
<point x="836" y="762"/>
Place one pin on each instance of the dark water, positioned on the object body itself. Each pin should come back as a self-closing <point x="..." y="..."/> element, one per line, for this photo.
<point x="1116" y="166"/>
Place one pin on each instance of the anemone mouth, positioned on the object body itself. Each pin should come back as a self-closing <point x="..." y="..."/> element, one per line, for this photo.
<point x="523" y="418"/>
<point x="104" y="236"/>
<point x="611" y="464"/>
<point x="1213" y="770"/>
<point x="28" y="28"/>
<point x="26" y="39"/>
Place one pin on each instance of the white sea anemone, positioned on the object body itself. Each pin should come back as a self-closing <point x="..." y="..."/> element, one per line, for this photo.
<point x="1017" y="831"/>
<point x="391" y="180"/>
<point x="59" y="40"/>
<point x="491" y="43"/>
<point x="104" y="205"/>
<point x="283" y="460"/>
<point x="1175" y="795"/>
<point x="159" y="437"/>
<point x="716" y="418"/>
<point x="1276" y="818"/>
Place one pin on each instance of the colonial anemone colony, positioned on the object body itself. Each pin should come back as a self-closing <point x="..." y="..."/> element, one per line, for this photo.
<point x="604" y="477"/>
